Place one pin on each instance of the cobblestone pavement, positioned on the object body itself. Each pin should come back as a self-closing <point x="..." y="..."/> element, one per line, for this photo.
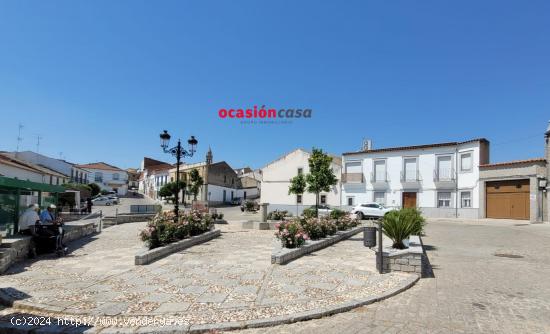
<point x="473" y="291"/>
<point x="227" y="279"/>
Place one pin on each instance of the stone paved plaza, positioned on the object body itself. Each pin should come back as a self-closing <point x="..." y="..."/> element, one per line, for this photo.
<point x="225" y="280"/>
<point x="473" y="291"/>
<point x="490" y="277"/>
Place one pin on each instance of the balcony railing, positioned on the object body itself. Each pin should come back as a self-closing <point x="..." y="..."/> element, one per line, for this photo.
<point x="444" y="175"/>
<point x="410" y="177"/>
<point x="353" y="178"/>
<point x="377" y="178"/>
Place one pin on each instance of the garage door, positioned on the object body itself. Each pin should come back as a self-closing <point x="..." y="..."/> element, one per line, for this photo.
<point x="508" y="199"/>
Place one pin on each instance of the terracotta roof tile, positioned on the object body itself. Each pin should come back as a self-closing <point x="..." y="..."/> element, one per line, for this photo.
<point x="417" y="147"/>
<point x="100" y="165"/>
<point x="514" y="162"/>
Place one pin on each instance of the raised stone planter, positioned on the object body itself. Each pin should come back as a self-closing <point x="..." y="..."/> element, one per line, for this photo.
<point x="149" y="256"/>
<point x="282" y="255"/>
<point x="410" y="260"/>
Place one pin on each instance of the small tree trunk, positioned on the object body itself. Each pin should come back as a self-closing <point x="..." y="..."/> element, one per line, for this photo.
<point x="317" y="205"/>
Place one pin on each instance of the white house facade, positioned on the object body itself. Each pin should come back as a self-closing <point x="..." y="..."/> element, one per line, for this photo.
<point x="72" y="171"/>
<point x="441" y="179"/>
<point x="22" y="170"/>
<point x="276" y="180"/>
<point x="107" y="177"/>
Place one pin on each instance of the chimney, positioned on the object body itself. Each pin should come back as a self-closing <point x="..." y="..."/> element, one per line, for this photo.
<point x="367" y="145"/>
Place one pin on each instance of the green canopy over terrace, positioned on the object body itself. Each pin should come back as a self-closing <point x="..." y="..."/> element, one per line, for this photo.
<point x="16" y="195"/>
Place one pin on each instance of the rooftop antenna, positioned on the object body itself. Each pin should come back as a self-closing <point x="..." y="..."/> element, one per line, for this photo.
<point x="38" y="138"/>
<point x="19" y="138"/>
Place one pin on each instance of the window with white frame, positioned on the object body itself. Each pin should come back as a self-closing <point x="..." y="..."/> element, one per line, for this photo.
<point x="300" y="171"/>
<point x="466" y="162"/>
<point x="466" y="199"/>
<point x="410" y="169"/>
<point x="443" y="199"/>
<point x="380" y="170"/>
<point x="299" y="199"/>
<point x="380" y="197"/>
<point x="323" y="199"/>
<point x="351" y="200"/>
<point x="116" y="176"/>
<point x="444" y="168"/>
<point x="98" y="177"/>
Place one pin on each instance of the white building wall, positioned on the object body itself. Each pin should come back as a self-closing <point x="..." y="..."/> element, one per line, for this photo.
<point x="22" y="174"/>
<point x="216" y="193"/>
<point x="251" y="193"/>
<point x="107" y="178"/>
<point x="276" y="180"/>
<point x="427" y="191"/>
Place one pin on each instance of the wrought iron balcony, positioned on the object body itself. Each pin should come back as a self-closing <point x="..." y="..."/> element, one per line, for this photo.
<point x="379" y="180"/>
<point x="410" y="180"/>
<point x="444" y="178"/>
<point x="353" y="178"/>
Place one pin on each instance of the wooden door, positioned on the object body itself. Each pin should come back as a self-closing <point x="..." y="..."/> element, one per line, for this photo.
<point x="508" y="199"/>
<point x="409" y="200"/>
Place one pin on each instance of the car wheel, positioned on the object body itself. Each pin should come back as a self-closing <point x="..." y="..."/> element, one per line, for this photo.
<point x="107" y="204"/>
<point x="359" y="215"/>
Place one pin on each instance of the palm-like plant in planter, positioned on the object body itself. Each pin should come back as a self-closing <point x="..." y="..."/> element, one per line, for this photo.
<point x="399" y="225"/>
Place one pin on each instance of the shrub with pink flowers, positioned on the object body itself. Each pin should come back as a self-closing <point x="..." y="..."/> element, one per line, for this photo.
<point x="346" y="222"/>
<point x="291" y="234"/>
<point x="318" y="228"/>
<point x="163" y="229"/>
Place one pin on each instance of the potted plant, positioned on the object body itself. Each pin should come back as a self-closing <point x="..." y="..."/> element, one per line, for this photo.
<point x="400" y="225"/>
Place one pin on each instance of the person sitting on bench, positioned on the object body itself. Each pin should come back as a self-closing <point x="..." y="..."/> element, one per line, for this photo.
<point x="52" y="226"/>
<point x="27" y="222"/>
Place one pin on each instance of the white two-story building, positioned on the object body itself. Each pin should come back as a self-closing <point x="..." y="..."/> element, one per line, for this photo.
<point x="276" y="180"/>
<point x="107" y="177"/>
<point x="440" y="179"/>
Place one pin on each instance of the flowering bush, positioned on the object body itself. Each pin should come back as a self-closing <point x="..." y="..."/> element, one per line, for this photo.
<point x="318" y="228"/>
<point x="345" y="222"/>
<point x="163" y="229"/>
<point x="291" y="234"/>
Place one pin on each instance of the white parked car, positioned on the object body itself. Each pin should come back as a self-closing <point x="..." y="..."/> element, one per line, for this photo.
<point x="103" y="200"/>
<point x="370" y="210"/>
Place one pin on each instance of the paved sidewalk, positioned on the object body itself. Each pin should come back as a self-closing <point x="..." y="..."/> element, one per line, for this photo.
<point x="225" y="280"/>
<point x="473" y="291"/>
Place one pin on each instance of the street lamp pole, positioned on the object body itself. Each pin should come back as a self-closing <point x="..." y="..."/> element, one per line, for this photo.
<point x="179" y="153"/>
<point x="178" y="159"/>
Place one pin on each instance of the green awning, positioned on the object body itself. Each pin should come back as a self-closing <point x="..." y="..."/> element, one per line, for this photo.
<point x="7" y="182"/>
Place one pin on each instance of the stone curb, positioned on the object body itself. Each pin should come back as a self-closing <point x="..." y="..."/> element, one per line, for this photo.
<point x="6" y="327"/>
<point x="285" y="255"/>
<point x="150" y="256"/>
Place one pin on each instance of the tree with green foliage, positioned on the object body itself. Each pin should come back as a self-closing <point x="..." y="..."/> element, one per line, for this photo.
<point x="321" y="176"/>
<point x="170" y="189"/>
<point x="95" y="189"/>
<point x="297" y="186"/>
<point x="196" y="182"/>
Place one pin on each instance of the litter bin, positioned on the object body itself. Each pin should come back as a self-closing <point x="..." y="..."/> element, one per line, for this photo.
<point x="369" y="236"/>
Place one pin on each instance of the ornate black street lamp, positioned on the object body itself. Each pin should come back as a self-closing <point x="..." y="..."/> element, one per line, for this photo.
<point x="179" y="153"/>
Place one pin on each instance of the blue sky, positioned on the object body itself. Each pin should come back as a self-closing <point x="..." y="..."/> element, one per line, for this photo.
<point x="99" y="80"/>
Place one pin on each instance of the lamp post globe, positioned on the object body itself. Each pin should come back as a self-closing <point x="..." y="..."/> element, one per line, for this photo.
<point x="164" y="139"/>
